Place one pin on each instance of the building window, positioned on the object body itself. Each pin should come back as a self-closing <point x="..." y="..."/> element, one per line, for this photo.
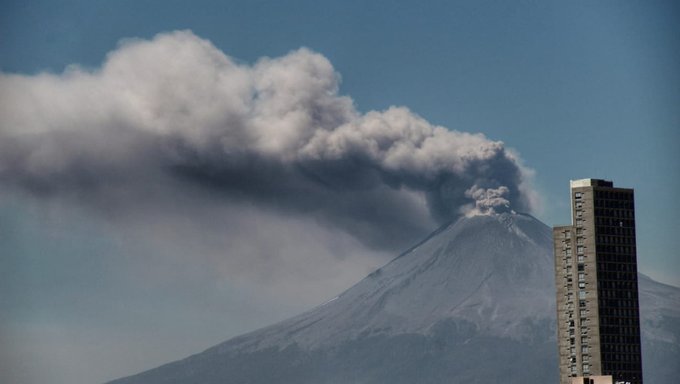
<point x="579" y="249"/>
<point x="581" y="276"/>
<point x="581" y="294"/>
<point x="580" y="258"/>
<point x="578" y="195"/>
<point x="584" y="349"/>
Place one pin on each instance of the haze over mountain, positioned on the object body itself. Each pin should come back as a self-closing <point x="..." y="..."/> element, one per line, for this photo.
<point x="472" y="303"/>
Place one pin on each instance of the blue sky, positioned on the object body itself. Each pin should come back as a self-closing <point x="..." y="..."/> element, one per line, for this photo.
<point x="578" y="89"/>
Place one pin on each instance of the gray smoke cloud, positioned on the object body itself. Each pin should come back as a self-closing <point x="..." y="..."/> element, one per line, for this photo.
<point x="487" y="201"/>
<point x="175" y="116"/>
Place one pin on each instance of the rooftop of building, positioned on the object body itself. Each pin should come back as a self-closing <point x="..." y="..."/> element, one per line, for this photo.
<point x="591" y="183"/>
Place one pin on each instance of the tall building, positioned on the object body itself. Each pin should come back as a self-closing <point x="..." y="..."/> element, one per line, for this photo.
<point x="598" y="322"/>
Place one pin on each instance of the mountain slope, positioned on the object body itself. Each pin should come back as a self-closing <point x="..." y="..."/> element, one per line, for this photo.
<point x="660" y="325"/>
<point x="473" y="303"/>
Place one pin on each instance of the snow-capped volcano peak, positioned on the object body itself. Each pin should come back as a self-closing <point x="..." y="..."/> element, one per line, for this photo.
<point x="490" y="270"/>
<point x="473" y="302"/>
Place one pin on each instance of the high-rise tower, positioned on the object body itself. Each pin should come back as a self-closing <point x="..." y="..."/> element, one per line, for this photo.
<point x="598" y="322"/>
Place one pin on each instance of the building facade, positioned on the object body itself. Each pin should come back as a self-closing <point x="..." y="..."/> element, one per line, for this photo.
<point x="598" y="322"/>
<point x="592" y="380"/>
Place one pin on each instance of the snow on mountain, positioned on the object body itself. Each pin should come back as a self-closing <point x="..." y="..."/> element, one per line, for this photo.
<point x="472" y="303"/>
<point x="660" y="326"/>
<point x="495" y="279"/>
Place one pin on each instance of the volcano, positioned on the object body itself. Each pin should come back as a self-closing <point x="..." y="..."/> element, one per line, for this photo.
<point x="474" y="302"/>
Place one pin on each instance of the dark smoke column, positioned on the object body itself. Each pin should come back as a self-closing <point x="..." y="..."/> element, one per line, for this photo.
<point x="598" y="321"/>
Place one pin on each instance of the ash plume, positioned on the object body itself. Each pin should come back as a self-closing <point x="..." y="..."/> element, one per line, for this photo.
<point x="175" y="116"/>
